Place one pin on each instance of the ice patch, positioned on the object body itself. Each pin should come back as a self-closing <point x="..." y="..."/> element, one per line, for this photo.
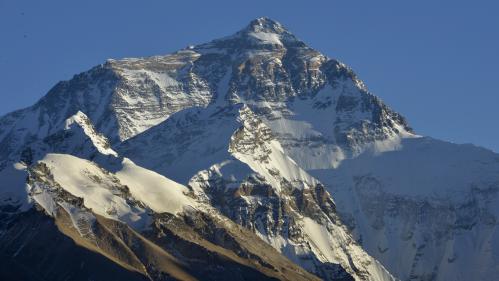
<point x="267" y="38"/>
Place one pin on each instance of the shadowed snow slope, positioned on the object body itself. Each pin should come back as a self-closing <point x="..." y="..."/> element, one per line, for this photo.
<point x="434" y="203"/>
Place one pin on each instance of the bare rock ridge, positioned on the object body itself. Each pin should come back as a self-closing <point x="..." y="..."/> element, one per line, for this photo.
<point x="250" y="157"/>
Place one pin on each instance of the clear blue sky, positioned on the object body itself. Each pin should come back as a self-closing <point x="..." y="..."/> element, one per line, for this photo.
<point x="436" y="62"/>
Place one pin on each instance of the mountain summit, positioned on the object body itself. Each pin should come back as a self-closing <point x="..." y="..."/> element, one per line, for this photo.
<point x="188" y="166"/>
<point x="266" y="25"/>
<point x="259" y="32"/>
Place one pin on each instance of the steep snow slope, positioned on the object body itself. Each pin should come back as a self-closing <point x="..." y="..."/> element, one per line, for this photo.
<point x="157" y="192"/>
<point x="100" y="191"/>
<point x="110" y="195"/>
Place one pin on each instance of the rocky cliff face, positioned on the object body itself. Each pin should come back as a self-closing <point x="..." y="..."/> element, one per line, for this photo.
<point x="173" y="167"/>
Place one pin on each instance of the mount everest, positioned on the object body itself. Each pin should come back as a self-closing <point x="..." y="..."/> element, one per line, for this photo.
<point x="250" y="157"/>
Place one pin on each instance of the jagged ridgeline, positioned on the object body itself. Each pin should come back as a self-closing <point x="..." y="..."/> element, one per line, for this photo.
<point x="250" y="157"/>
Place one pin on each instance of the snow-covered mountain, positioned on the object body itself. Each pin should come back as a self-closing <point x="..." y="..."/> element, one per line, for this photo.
<point x="250" y="157"/>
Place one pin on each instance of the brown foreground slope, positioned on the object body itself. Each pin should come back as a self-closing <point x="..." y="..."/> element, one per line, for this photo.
<point x="195" y="246"/>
